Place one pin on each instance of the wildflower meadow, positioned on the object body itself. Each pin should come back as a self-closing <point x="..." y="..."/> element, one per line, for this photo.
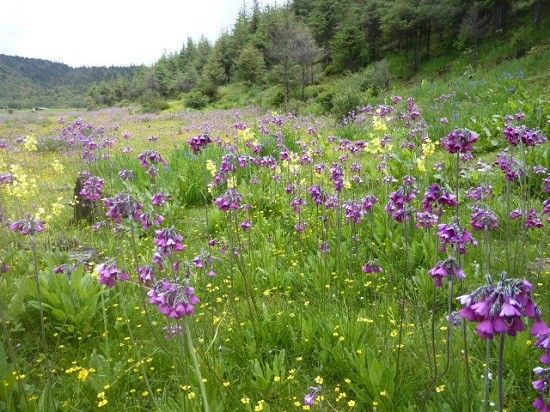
<point x="246" y="260"/>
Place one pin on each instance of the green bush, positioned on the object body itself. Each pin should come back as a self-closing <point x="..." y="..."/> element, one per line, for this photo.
<point x="196" y="100"/>
<point x="345" y="101"/>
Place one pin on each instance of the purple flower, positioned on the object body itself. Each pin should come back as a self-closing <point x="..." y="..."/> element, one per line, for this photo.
<point x="546" y="187"/>
<point x="484" y="219"/>
<point x="246" y="225"/>
<point x="368" y="202"/>
<point x="521" y="134"/>
<point x="150" y="158"/>
<point x="122" y="206"/>
<point x="446" y="268"/>
<point x="480" y="192"/>
<point x="438" y="195"/>
<point x="92" y="188"/>
<point x="516" y="214"/>
<point x="198" y="143"/>
<point x="459" y="141"/>
<point x="453" y="234"/>
<point x="110" y="274"/>
<point x="160" y="198"/>
<point x="174" y="300"/>
<point x="146" y="274"/>
<point x="354" y="211"/>
<point x="372" y="267"/>
<point x="230" y="200"/>
<point x="500" y="308"/>
<point x="27" y="226"/>
<point x="533" y="220"/>
<point x="309" y="399"/>
<point x="510" y="166"/>
<point x="126" y="174"/>
<point x="169" y="241"/>
<point x="298" y="204"/>
<point x="426" y="220"/>
<point x="337" y="176"/>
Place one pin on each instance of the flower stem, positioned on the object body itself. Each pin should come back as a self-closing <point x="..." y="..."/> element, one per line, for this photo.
<point x="487" y="380"/>
<point x="193" y="354"/>
<point x="39" y="292"/>
<point x="501" y="372"/>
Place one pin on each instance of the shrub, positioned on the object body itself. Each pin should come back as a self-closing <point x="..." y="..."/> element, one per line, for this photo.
<point x="196" y="100"/>
<point x="344" y="102"/>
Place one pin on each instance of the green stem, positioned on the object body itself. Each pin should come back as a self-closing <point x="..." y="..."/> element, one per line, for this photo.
<point x="487" y="380"/>
<point x="501" y="372"/>
<point x="193" y="354"/>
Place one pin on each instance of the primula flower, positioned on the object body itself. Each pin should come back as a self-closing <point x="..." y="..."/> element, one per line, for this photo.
<point x="533" y="220"/>
<point x="453" y="234"/>
<point x="484" y="219"/>
<point x="169" y="241"/>
<point x="27" y="226"/>
<point x="446" y="268"/>
<point x="439" y="196"/>
<point x="500" y="308"/>
<point x="230" y="200"/>
<point x="198" y="143"/>
<point x="460" y="141"/>
<point x="174" y="300"/>
<point x="110" y="274"/>
<point x="92" y="188"/>
<point x="372" y="267"/>
<point x="122" y="206"/>
<point x="309" y="399"/>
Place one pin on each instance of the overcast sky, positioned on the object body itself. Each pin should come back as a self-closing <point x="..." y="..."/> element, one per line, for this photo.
<point x="109" y="32"/>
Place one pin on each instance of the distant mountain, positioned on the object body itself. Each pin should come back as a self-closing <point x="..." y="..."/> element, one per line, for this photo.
<point x="27" y="82"/>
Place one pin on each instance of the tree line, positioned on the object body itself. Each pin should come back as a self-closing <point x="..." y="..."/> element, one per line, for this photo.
<point x="293" y="45"/>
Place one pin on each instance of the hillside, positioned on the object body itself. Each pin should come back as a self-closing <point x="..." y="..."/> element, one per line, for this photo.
<point x="27" y="82"/>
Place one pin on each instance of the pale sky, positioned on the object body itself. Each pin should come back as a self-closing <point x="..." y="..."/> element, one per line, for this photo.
<point x="109" y="32"/>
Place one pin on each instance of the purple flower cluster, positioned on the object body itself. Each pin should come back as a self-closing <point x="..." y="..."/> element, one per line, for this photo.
<point x="146" y="274"/>
<point x="354" y="211"/>
<point x="511" y="167"/>
<point x="446" y="268"/>
<point x="337" y="176"/>
<point x="521" y="134"/>
<point x="453" y="234"/>
<point x="173" y="300"/>
<point x="426" y="220"/>
<point x="483" y="219"/>
<point x="372" y="267"/>
<point x="92" y="188"/>
<point x="27" y="226"/>
<point x="199" y="142"/>
<point x="110" y="274"/>
<point x="122" y="206"/>
<point x="436" y="195"/>
<point x="500" y="308"/>
<point x="480" y="192"/>
<point x="150" y="158"/>
<point x="541" y="331"/>
<point x="169" y="241"/>
<point x="398" y="206"/>
<point x="230" y="200"/>
<point x="460" y="141"/>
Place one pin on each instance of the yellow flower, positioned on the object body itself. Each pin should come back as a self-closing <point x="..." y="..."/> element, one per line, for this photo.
<point x="379" y="125"/>
<point x="245" y="400"/>
<point x="191" y="395"/>
<point x="83" y="374"/>
<point x="211" y="167"/>
<point x="30" y="144"/>
<point x="102" y="403"/>
<point x="319" y="380"/>
<point x="57" y="166"/>
<point x="440" y="388"/>
<point x="351" y="403"/>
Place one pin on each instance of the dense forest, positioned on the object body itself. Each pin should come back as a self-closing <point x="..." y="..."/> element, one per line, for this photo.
<point x="283" y="50"/>
<point x="26" y="82"/>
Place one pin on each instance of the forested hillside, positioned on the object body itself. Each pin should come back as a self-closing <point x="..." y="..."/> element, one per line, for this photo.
<point x="26" y="82"/>
<point x="285" y="55"/>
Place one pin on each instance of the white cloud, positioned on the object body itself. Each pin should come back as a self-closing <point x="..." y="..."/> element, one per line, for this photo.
<point x="109" y="32"/>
